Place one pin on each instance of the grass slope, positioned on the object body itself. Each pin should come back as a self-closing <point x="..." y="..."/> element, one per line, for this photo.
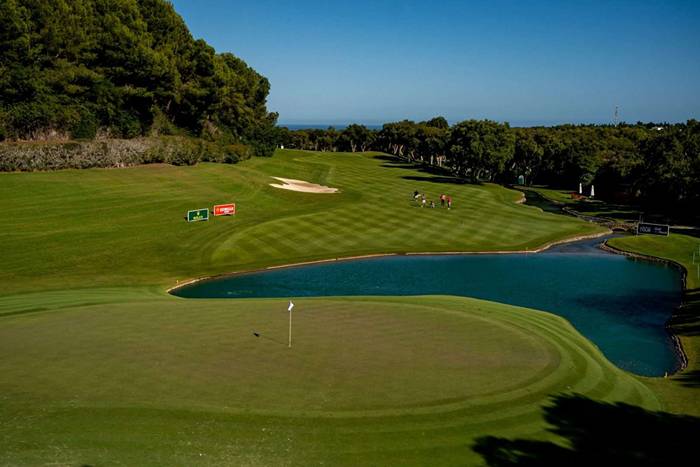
<point x="368" y="381"/>
<point x="104" y="227"/>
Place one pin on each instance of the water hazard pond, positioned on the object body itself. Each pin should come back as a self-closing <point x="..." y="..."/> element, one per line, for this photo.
<point x="620" y="304"/>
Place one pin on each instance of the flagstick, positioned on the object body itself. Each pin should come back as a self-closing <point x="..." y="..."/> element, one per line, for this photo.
<point x="290" y="329"/>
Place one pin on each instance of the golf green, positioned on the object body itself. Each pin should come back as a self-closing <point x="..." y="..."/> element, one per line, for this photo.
<point x="455" y="368"/>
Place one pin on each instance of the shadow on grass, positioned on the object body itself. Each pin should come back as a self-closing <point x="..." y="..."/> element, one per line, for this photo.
<point x="260" y="335"/>
<point x="395" y="162"/>
<point x="533" y="198"/>
<point x="436" y="179"/>
<point x="690" y="379"/>
<point x="686" y="320"/>
<point x="589" y="207"/>
<point x="598" y="434"/>
<point x="390" y="158"/>
<point x="437" y="174"/>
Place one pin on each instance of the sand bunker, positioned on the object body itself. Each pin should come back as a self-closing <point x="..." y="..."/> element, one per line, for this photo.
<point x="301" y="185"/>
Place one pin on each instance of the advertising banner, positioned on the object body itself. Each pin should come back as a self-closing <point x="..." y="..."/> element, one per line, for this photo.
<point x="224" y="209"/>
<point x="653" y="229"/>
<point x="198" y="215"/>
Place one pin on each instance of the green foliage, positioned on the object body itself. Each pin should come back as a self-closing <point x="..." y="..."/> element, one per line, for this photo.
<point x="438" y="122"/>
<point x="480" y="148"/>
<point x="355" y="137"/>
<point x="126" y="68"/>
<point x="237" y="152"/>
<point x="263" y="140"/>
<point x="527" y="155"/>
<point x="86" y="127"/>
<point x="175" y="150"/>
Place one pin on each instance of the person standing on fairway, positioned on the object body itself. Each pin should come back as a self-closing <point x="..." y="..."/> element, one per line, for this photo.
<point x="449" y="202"/>
<point x="442" y="200"/>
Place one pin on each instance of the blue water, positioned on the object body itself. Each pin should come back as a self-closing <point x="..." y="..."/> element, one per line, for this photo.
<point x="620" y="304"/>
<point x="325" y="126"/>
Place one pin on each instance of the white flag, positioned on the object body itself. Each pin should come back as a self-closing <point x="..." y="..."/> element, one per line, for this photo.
<point x="291" y="305"/>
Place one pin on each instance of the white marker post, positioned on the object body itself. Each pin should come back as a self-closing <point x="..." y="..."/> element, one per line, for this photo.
<point x="289" y="309"/>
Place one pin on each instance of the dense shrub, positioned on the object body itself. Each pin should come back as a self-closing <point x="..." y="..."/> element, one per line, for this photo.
<point x="176" y="150"/>
<point x="86" y="127"/>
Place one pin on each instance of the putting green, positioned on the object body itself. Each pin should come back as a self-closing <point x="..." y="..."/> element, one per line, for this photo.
<point x="438" y="370"/>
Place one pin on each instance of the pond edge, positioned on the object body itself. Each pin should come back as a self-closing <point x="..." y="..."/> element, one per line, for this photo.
<point x="544" y="247"/>
<point x="684" y="273"/>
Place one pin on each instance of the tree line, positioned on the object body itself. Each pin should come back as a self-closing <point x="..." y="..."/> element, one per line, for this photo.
<point x="77" y="69"/>
<point x="656" y="166"/>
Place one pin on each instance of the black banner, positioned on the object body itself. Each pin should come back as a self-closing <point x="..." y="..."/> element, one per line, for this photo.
<point x="654" y="229"/>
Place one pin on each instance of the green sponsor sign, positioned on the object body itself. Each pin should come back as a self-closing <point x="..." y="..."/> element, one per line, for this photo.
<point x="198" y="215"/>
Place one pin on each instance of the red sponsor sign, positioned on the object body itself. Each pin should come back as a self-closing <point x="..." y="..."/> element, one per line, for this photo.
<point x="224" y="209"/>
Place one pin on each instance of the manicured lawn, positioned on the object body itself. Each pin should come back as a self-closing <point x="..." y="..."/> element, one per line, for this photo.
<point x="100" y="366"/>
<point x="77" y="229"/>
<point x="368" y="380"/>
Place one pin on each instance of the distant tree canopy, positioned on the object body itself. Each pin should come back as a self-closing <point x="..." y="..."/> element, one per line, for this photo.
<point x="125" y="68"/>
<point x="657" y="166"/>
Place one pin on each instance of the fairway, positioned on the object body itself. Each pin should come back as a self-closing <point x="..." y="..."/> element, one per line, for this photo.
<point x="459" y="368"/>
<point x="106" y="227"/>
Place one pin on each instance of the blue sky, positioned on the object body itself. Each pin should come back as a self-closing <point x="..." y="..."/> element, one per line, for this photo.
<point x="526" y="62"/>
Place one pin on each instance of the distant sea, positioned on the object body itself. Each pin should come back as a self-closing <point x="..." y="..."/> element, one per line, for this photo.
<point x="378" y="126"/>
<point x="324" y="126"/>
